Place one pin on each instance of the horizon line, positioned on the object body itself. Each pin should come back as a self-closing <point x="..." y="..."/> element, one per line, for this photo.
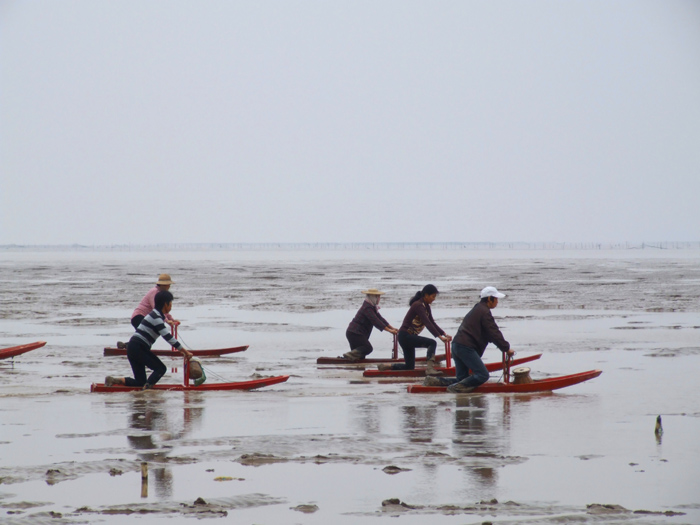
<point x="451" y="245"/>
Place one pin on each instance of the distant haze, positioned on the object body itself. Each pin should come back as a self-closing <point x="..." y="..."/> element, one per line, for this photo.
<point x="362" y="121"/>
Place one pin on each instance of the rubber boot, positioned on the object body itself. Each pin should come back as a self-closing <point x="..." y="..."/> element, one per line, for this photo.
<point x="111" y="381"/>
<point x="432" y="381"/>
<point x="430" y="368"/>
<point x="353" y="355"/>
<point x="459" y="388"/>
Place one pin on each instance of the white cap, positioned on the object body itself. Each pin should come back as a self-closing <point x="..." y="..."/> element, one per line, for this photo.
<point x="490" y="291"/>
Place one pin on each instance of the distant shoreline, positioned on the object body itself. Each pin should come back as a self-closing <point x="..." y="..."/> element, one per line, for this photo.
<point x="361" y="246"/>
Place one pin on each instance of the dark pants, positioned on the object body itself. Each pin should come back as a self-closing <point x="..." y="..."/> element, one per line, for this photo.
<point x="140" y="357"/>
<point x="471" y="370"/>
<point x="359" y="342"/>
<point x="409" y="343"/>
<point x="136" y="321"/>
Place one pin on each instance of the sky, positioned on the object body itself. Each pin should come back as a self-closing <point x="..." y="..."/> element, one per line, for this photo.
<point x="138" y="122"/>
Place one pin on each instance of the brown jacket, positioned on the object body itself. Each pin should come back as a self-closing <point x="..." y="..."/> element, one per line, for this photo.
<point x="365" y="318"/>
<point x="478" y="329"/>
<point x="419" y="316"/>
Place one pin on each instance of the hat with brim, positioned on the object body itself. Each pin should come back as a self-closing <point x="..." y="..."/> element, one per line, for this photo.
<point x="490" y="291"/>
<point x="372" y="291"/>
<point x="164" y="279"/>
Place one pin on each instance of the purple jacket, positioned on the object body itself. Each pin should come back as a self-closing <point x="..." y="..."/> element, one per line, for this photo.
<point x="367" y="317"/>
<point x="478" y="329"/>
<point x="419" y="316"/>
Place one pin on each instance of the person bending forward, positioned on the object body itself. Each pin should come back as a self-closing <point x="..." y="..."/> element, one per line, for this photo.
<point x="360" y="328"/>
<point x="139" y="349"/>
<point x="477" y="330"/>
<point x="419" y="316"/>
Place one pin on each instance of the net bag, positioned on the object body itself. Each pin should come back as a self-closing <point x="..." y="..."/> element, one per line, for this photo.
<point x="197" y="371"/>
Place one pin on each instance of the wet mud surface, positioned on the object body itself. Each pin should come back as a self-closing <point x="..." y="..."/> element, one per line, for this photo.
<point x="330" y="445"/>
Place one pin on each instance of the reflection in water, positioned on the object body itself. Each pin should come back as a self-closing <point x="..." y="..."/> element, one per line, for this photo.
<point x="145" y="415"/>
<point x="483" y="435"/>
<point x="419" y="423"/>
<point x="477" y="437"/>
<point x="148" y="415"/>
<point x="150" y="418"/>
<point x="367" y="415"/>
<point x="505" y="419"/>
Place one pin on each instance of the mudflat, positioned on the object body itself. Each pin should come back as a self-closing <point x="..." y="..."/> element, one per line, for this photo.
<point x="330" y="446"/>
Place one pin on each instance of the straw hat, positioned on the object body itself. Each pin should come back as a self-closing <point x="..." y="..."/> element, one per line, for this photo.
<point x="373" y="291"/>
<point x="164" y="278"/>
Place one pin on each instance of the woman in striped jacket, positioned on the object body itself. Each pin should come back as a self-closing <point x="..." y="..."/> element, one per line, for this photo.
<point x="139" y="349"/>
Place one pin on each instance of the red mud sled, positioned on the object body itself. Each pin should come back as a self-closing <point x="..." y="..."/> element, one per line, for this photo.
<point x="215" y="352"/>
<point x="393" y="359"/>
<point x="525" y="385"/>
<point x="447" y="371"/>
<point x="13" y="351"/>
<point x="239" y="385"/>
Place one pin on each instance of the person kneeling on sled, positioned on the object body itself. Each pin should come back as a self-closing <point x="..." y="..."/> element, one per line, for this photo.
<point x="139" y="348"/>
<point x="360" y="328"/>
<point x="477" y="330"/>
<point x="419" y="316"/>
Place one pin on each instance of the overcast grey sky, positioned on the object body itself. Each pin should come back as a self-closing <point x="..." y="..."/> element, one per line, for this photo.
<point x="330" y="121"/>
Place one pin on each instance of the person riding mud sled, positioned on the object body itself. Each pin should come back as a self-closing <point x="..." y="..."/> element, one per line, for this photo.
<point x="139" y="348"/>
<point x="477" y="330"/>
<point x="419" y="316"/>
<point x="360" y="328"/>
